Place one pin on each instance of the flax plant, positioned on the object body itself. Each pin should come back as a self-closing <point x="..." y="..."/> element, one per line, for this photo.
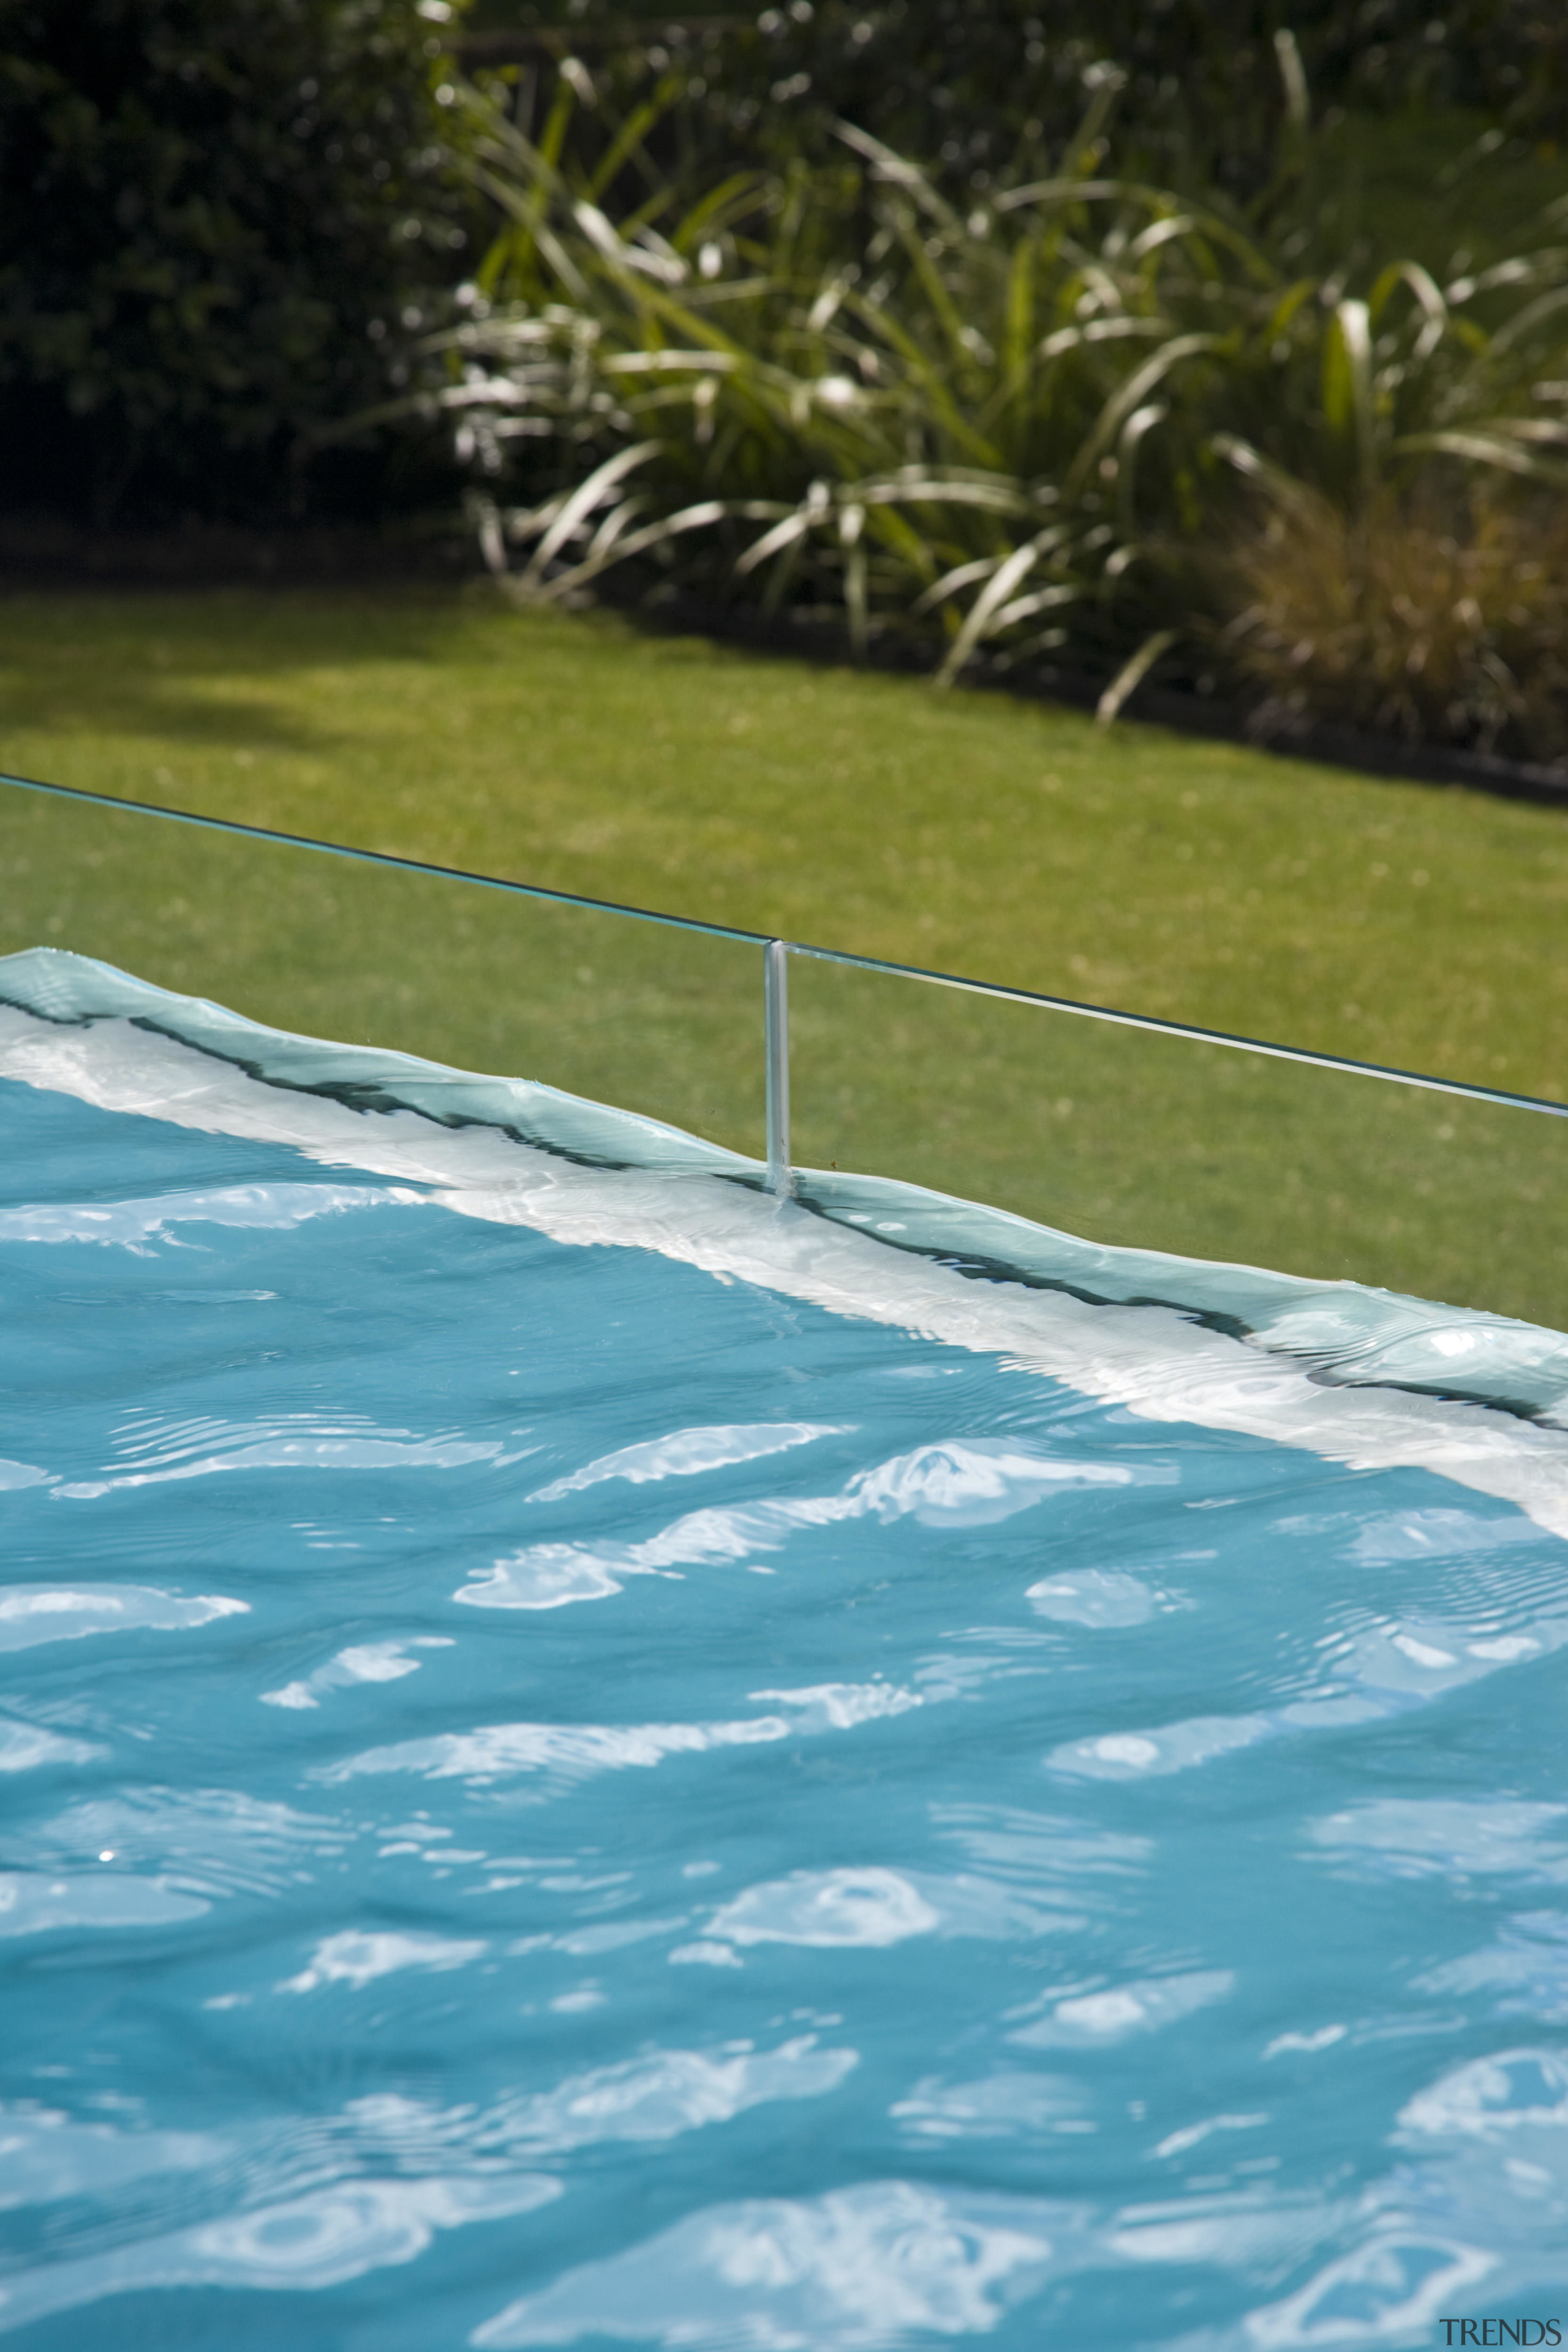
<point x="1034" y="431"/>
<point x="831" y="394"/>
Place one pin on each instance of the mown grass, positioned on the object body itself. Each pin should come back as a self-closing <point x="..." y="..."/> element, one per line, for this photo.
<point x="971" y="833"/>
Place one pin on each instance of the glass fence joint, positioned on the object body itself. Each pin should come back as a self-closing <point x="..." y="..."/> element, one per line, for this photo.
<point x="776" y="1032"/>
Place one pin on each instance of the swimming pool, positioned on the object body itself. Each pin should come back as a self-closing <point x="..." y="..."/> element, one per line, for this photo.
<point x="595" y="1757"/>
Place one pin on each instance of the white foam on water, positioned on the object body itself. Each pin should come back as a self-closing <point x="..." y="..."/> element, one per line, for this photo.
<point x="320" y="2239"/>
<point x="958" y="1483"/>
<point x="364" y="1662"/>
<point x="30" y="1613"/>
<point x="568" y="1752"/>
<point x="872" y="1907"/>
<point x="357" y="1957"/>
<point x="25" y="1746"/>
<point x="1152" y="1360"/>
<point x="36" y="1902"/>
<point x="132" y="1225"/>
<point x="861" y="2268"/>
<point x="1090" y="2020"/>
<point x="1092" y="1596"/>
<point x="687" y="1451"/>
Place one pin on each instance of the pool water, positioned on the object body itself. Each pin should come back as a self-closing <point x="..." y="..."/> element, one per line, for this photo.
<point x="592" y="1760"/>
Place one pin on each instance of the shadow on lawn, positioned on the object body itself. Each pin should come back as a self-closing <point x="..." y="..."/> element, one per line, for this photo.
<point x="175" y="668"/>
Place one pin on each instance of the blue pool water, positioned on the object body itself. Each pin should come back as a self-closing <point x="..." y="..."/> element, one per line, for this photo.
<point x="590" y="1761"/>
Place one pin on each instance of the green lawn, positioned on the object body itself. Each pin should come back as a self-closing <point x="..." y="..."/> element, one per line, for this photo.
<point x="1394" y="922"/>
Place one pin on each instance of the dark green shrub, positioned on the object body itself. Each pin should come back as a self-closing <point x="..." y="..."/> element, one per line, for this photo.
<point x="975" y="91"/>
<point x="1203" y="97"/>
<point x="220" y="223"/>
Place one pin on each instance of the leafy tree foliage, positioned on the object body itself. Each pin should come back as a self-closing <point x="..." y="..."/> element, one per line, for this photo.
<point x="220" y="223"/>
<point x="1207" y="84"/>
<point x="1206" y="89"/>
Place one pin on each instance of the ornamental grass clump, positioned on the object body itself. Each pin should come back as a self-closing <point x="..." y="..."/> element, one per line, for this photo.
<point x="1404" y="570"/>
<point x="1446" y="630"/>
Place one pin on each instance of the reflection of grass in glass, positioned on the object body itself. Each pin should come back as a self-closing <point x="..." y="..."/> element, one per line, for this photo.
<point x="1163" y="1143"/>
<point x="656" y="1020"/>
<point x="1111" y="1133"/>
<point x="1199" y="880"/>
<point x="1202" y="881"/>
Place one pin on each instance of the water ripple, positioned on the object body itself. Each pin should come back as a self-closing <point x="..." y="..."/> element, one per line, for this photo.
<point x="1062" y="1836"/>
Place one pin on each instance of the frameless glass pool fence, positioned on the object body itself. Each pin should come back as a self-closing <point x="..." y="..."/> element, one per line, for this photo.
<point x="652" y="1015"/>
<point x="1151" y="1137"/>
<point x="1117" y="1130"/>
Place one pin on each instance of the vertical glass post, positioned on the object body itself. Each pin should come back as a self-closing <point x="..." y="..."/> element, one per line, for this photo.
<point x="775" y="1023"/>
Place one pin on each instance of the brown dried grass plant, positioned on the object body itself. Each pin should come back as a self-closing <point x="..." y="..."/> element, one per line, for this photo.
<point x="1433" y="621"/>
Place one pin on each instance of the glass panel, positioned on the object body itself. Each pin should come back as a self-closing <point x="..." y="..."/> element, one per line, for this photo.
<point x="648" y="1016"/>
<point x="1166" y="1143"/>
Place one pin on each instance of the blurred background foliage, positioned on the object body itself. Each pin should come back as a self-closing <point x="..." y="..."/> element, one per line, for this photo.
<point x="1081" y="424"/>
<point x="1219" y="342"/>
<point x="219" y="221"/>
<point x="973" y="90"/>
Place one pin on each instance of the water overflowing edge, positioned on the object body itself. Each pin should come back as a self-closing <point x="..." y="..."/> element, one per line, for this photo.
<point x="1369" y="1378"/>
